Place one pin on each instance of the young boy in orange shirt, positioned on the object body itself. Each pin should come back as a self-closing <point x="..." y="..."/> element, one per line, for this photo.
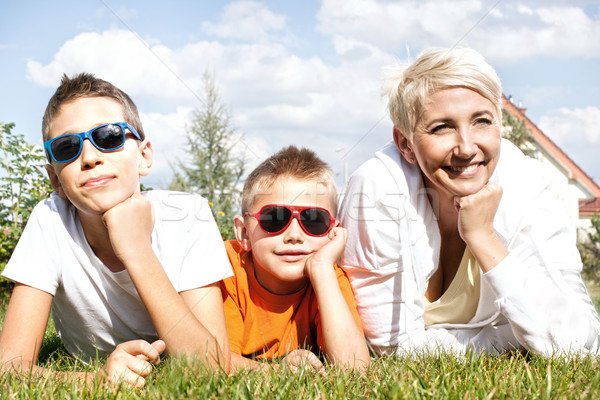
<point x="288" y="298"/>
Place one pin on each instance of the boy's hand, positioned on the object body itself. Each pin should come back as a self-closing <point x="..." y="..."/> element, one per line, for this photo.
<point x="130" y="225"/>
<point x="131" y="362"/>
<point x="328" y="255"/>
<point x="303" y="358"/>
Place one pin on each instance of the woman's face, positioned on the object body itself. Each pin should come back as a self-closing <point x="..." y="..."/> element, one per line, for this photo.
<point x="456" y="141"/>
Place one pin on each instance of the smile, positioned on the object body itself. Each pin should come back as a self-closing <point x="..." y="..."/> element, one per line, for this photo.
<point x="99" y="181"/>
<point x="292" y="255"/>
<point x="468" y="168"/>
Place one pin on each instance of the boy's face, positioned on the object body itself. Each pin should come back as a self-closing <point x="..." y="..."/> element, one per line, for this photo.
<point x="279" y="259"/>
<point x="96" y="181"/>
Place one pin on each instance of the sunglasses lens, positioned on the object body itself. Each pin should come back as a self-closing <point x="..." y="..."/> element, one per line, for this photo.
<point x="66" y="147"/>
<point x="108" y="137"/>
<point x="315" y="221"/>
<point x="273" y="219"/>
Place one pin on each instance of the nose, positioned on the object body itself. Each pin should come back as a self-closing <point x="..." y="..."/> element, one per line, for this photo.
<point x="465" y="146"/>
<point x="90" y="156"/>
<point x="294" y="232"/>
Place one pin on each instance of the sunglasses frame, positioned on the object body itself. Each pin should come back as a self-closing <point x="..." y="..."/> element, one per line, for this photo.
<point x="295" y="210"/>
<point x="88" y="135"/>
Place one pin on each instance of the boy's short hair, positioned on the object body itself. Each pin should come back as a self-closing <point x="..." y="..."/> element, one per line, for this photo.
<point x="291" y="162"/>
<point x="87" y="85"/>
<point x="407" y="88"/>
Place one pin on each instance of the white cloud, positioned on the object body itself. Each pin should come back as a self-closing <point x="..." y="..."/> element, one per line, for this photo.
<point x="246" y="20"/>
<point x="277" y="98"/>
<point x="505" y="33"/>
<point x="166" y="132"/>
<point x="576" y="132"/>
<point x="578" y="125"/>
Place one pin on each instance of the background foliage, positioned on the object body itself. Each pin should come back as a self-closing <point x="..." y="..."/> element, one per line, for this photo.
<point x="214" y="167"/>
<point x="515" y="130"/>
<point x="589" y="249"/>
<point x="23" y="183"/>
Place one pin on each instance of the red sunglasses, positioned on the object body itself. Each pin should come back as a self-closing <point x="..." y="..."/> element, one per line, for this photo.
<point x="274" y="219"/>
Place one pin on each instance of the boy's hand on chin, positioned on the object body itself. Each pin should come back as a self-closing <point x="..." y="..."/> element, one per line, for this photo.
<point x="329" y="254"/>
<point x="130" y="225"/>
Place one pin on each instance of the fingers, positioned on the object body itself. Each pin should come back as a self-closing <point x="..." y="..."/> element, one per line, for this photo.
<point x="131" y="362"/>
<point x="301" y="358"/>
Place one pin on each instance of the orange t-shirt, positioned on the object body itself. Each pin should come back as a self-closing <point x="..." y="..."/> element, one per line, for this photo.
<point x="265" y="325"/>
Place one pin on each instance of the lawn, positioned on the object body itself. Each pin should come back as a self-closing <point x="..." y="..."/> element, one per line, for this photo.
<point x="509" y="376"/>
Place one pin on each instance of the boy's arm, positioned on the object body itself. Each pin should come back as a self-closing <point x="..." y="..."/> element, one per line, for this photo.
<point x="24" y="327"/>
<point x="23" y="332"/>
<point x="207" y="305"/>
<point x="130" y="226"/>
<point x="344" y="343"/>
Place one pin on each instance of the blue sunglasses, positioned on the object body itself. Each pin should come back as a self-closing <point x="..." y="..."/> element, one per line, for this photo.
<point x="106" y="137"/>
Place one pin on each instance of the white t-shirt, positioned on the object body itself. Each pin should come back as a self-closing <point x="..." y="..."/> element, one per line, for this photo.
<point x="95" y="309"/>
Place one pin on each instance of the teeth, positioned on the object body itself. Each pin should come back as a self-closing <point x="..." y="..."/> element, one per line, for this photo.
<point x="468" y="168"/>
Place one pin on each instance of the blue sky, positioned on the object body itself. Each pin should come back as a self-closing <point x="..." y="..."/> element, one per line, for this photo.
<point x="299" y="72"/>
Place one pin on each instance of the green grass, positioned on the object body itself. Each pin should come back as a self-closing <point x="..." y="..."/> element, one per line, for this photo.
<point x="429" y="377"/>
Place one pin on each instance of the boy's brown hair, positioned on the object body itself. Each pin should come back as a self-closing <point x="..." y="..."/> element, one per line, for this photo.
<point x="87" y="85"/>
<point x="292" y="162"/>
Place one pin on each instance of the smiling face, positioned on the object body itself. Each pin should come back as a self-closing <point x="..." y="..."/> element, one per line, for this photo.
<point x="456" y="142"/>
<point x="279" y="259"/>
<point x="96" y="181"/>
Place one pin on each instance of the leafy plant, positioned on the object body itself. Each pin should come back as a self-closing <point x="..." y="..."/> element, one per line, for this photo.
<point x="23" y="183"/>
<point x="215" y="168"/>
<point x="589" y="249"/>
<point x="515" y="130"/>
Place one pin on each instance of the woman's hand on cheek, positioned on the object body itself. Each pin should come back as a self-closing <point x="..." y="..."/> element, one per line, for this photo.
<point x="476" y="213"/>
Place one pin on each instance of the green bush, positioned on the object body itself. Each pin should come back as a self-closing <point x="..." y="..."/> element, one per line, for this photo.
<point x="589" y="249"/>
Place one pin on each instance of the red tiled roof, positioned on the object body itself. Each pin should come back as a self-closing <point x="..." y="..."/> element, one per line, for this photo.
<point x="589" y="206"/>
<point x="576" y="172"/>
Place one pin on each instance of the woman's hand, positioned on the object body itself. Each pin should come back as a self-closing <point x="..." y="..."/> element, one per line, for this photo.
<point x="476" y="214"/>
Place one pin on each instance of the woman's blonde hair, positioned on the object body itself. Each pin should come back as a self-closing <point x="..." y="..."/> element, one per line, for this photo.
<point x="407" y="88"/>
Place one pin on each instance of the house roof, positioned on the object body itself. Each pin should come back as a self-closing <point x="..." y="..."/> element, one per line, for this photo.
<point x="574" y="171"/>
<point x="589" y="206"/>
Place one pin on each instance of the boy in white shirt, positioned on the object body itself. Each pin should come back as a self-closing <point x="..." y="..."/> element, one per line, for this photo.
<point x="127" y="275"/>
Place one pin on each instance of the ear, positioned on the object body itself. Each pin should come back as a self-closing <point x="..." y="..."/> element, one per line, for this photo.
<point x="241" y="232"/>
<point x="404" y="146"/>
<point x="55" y="182"/>
<point x="146" y="157"/>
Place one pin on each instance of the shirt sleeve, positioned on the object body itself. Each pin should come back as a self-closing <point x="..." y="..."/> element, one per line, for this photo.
<point x="34" y="262"/>
<point x="538" y="286"/>
<point x="189" y="242"/>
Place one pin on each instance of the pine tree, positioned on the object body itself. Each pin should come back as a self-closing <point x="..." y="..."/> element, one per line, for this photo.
<point x="215" y="165"/>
